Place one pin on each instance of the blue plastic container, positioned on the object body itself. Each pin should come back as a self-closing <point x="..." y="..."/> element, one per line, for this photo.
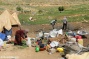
<point x="2" y="36"/>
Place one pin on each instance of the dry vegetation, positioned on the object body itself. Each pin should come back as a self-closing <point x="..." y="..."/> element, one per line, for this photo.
<point x="44" y="2"/>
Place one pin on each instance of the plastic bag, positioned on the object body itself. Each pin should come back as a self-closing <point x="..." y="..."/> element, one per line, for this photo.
<point x="1" y="42"/>
<point x="28" y="42"/>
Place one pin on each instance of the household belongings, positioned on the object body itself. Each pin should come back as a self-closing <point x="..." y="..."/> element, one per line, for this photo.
<point x="2" y="36"/>
<point x="54" y="44"/>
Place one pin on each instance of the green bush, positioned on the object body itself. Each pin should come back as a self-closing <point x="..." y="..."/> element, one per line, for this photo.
<point x="19" y="8"/>
<point x="40" y="11"/>
<point x="61" y="8"/>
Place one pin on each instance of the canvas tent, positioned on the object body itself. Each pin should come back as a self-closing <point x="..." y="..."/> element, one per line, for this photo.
<point x="16" y="18"/>
<point x="7" y="20"/>
<point x="1" y="26"/>
<point x="6" y="23"/>
<point x="15" y="27"/>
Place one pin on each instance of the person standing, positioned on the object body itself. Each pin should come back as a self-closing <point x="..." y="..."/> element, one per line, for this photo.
<point x="64" y="23"/>
<point x="53" y="22"/>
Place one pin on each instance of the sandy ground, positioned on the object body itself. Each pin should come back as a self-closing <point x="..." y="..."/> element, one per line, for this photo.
<point x="14" y="52"/>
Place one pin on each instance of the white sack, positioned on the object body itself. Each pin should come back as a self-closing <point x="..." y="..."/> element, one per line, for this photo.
<point x="28" y="42"/>
<point x="1" y="42"/>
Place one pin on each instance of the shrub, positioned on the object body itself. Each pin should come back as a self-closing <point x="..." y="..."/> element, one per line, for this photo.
<point x="19" y="8"/>
<point x="61" y="8"/>
<point x="40" y="11"/>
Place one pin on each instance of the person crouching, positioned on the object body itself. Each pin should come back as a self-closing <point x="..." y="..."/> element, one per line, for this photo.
<point x="19" y="36"/>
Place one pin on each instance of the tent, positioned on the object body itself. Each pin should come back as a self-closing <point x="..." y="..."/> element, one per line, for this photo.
<point x="15" y="27"/>
<point x="7" y="20"/>
<point x="16" y="18"/>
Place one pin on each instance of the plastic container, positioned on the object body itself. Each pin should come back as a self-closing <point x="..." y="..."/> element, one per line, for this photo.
<point x="37" y="49"/>
<point x="2" y="36"/>
<point x="80" y="41"/>
<point x="60" y="49"/>
<point x="28" y="42"/>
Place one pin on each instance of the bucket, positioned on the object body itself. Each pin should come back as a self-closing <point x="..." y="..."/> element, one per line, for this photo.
<point x="80" y="41"/>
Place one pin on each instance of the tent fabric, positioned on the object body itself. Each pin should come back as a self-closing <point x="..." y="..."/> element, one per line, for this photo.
<point x="1" y="42"/>
<point x="77" y="56"/>
<point x="16" y="18"/>
<point x="1" y="26"/>
<point x="6" y="17"/>
<point x="7" y="20"/>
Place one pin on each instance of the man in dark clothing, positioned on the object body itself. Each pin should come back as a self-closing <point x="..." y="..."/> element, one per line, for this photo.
<point x="19" y="35"/>
<point x="64" y="23"/>
<point x="53" y="22"/>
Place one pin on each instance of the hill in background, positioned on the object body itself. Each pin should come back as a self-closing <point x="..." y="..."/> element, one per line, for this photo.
<point x="12" y="4"/>
<point x="39" y="2"/>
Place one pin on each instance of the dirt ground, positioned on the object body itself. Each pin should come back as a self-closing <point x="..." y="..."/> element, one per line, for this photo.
<point x="13" y="52"/>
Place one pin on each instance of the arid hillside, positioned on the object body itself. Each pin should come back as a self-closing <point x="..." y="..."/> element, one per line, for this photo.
<point x="42" y="2"/>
